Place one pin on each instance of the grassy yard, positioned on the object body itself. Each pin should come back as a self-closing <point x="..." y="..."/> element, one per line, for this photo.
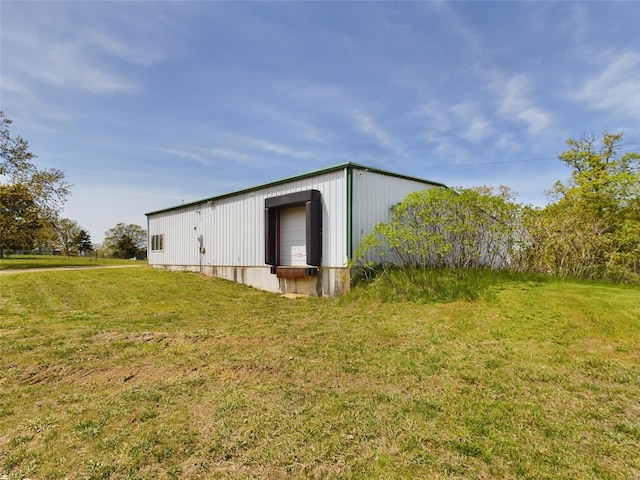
<point x="146" y="374"/>
<point x="19" y="262"/>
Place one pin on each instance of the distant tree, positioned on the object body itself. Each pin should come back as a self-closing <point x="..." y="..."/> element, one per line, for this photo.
<point x="31" y="197"/>
<point x="126" y="247"/>
<point x="83" y="242"/>
<point x="67" y="232"/>
<point x="126" y="241"/>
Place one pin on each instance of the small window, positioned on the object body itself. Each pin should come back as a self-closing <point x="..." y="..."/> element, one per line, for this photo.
<point x="157" y="242"/>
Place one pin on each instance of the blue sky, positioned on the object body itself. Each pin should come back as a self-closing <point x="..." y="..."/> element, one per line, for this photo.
<point x="146" y="104"/>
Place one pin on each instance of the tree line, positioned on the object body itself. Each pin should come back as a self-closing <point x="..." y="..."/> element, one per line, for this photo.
<point x="31" y="201"/>
<point x="590" y="229"/>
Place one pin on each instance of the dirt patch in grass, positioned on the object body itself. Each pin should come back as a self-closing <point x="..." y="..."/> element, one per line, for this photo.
<point x="131" y="337"/>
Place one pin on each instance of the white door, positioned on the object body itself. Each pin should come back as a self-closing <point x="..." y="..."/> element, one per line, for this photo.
<point x="293" y="237"/>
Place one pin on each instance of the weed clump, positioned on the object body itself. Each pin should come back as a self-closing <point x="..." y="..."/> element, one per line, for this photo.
<point x="433" y="285"/>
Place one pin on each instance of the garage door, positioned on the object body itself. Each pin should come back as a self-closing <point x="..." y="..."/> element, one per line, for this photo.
<point x="293" y="237"/>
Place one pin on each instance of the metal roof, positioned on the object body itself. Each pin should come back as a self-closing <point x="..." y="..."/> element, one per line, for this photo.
<point x="342" y="166"/>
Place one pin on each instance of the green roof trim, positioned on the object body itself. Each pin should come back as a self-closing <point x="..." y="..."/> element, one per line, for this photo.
<point x="349" y="166"/>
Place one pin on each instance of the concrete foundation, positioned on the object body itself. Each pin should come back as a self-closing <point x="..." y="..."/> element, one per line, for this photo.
<point x="330" y="282"/>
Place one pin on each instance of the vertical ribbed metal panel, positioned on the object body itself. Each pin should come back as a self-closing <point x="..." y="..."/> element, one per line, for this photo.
<point x="374" y="195"/>
<point x="233" y="227"/>
<point x="181" y="246"/>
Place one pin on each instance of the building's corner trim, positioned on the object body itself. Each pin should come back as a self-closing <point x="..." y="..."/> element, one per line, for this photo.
<point x="349" y="213"/>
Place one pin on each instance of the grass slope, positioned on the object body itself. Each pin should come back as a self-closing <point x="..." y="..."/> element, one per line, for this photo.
<point x="138" y="373"/>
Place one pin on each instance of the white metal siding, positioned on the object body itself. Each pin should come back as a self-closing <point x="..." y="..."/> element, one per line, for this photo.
<point x="374" y="196"/>
<point x="293" y="236"/>
<point x="181" y="246"/>
<point x="233" y="227"/>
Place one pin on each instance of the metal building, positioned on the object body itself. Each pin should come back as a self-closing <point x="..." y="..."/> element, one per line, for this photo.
<point x="294" y="235"/>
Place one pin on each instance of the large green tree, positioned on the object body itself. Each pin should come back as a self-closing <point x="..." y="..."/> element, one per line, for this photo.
<point x="126" y="241"/>
<point x="605" y="181"/>
<point x="19" y="219"/>
<point x="592" y="227"/>
<point x="31" y="198"/>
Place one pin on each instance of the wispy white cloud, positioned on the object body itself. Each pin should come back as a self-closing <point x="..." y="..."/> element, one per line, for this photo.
<point x="577" y="24"/>
<point x="435" y="116"/>
<point x="10" y="85"/>
<point x="446" y="124"/>
<point x="616" y="89"/>
<point x="367" y="126"/>
<point x="56" y="60"/>
<point x="298" y="125"/>
<point x="479" y="129"/>
<point x="233" y="155"/>
<point x="44" y="45"/>
<point x="442" y="144"/>
<point x="18" y="99"/>
<point x="134" y="51"/>
<point x="233" y="149"/>
<point x="516" y="103"/>
<point x="456" y="24"/>
<point x="309" y="90"/>
<point x="271" y="147"/>
<point x="507" y="141"/>
<point x="187" y="155"/>
<point x="515" y="100"/>
<point x="475" y="127"/>
<point x="137" y="34"/>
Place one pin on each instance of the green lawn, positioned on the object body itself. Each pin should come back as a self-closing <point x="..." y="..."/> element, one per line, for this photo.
<point x="19" y="262"/>
<point x="140" y="373"/>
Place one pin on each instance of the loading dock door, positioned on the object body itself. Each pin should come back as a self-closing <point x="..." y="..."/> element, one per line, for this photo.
<point x="293" y="237"/>
<point x="293" y="230"/>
